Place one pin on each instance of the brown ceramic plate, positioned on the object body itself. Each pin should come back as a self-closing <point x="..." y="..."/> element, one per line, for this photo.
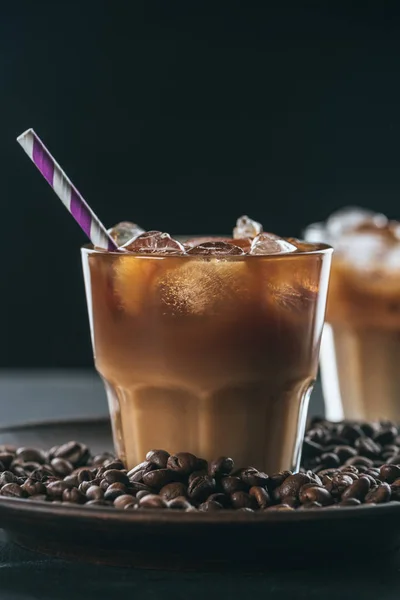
<point x="161" y="539"/>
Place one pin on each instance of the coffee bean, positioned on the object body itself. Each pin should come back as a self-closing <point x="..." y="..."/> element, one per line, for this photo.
<point x="243" y="500"/>
<point x="350" y="502"/>
<point x="368" y="429"/>
<point x="221" y="466"/>
<point x="138" y="476"/>
<point x="71" y="481"/>
<point x="115" y="476"/>
<point x="99" y="459"/>
<point x="42" y="473"/>
<point x="386" y="435"/>
<point x="367" y="447"/>
<point x="152" y="501"/>
<point x="210" y="506"/>
<point x="344" y="453"/>
<point x="137" y="487"/>
<point x="38" y="498"/>
<point x="94" y="492"/>
<point x="358" y="489"/>
<point x="12" y="490"/>
<point x="77" y="454"/>
<point x="139" y="467"/>
<point x="179" y="503"/>
<point x="261" y="496"/>
<point x="310" y="506"/>
<point x="74" y="496"/>
<point x="18" y="470"/>
<point x="114" y="463"/>
<point x="292" y="501"/>
<point x="389" y="473"/>
<point x="6" y="459"/>
<point x="30" y="455"/>
<point x="55" y="489"/>
<point x="222" y="499"/>
<point x="394" y="460"/>
<point x="379" y="494"/>
<point x="61" y="466"/>
<point x="114" y="490"/>
<point x="182" y="462"/>
<point x="159" y="478"/>
<point x="292" y="484"/>
<point x="173" y="490"/>
<point x="200" y="488"/>
<point x="158" y="457"/>
<point x="232" y="484"/>
<point x="7" y="477"/>
<point x="329" y="459"/>
<point x="32" y="487"/>
<point x="279" y="507"/>
<point x="275" y="481"/>
<point x="351" y="432"/>
<point x="360" y="461"/>
<point x="253" y="477"/>
<point x="84" y="486"/>
<point x="311" y="449"/>
<point x="96" y="503"/>
<point x="338" y="483"/>
<point x="125" y="500"/>
<point x="315" y="494"/>
<point x="86" y="475"/>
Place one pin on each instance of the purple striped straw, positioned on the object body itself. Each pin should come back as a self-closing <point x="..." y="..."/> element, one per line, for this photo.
<point x="65" y="190"/>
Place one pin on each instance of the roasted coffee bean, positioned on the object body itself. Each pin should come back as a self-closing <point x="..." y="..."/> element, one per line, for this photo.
<point x="232" y="484"/>
<point x="96" y="503"/>
<point x="152" y="501"/>
<point x="351" y="432"/>
<point x="74" y="496"/>
<point x="358" y="489"/>
<point x="386" y="435"/>
<point x="87" y="475"/>
<point x="311" y="449"/>
<point x="310" y="505"/>
<point x="71" y="481"/>
<point x="275" y="481"/>
<point x="33" y="487"/>
<point x="77" y="454"/>
<point x="315" y="494"/>
<point x="159" y="478"/>
<point x="292" y="501"/>
<point x="379" y="494"/>
<point x="12" y="490"/>
<point x="243" y="500"/>
<point x="18" y="469"/>
<point x="139" y="487"/>
<point x="221" y="466"/>
<point x="114" y="463"/>
<point x="344" y="453"/>
<point x="61" y="466"/>
<point x="173" y="490"/>
<point x="38" y="498"/>
<point x="338" y="484"/>
<point x="200" y="488"/>
<point x="99" y="459"/>
<point x="350" y="502"/>
<point x="42" y="473"/>
<point x="179" y="503"/>
<point x="55" y="489"/>
<point x="196" y="474"/>
<point x="222" y="499"/>
<point x="368" y="429"/>
<point x="158" y="457"/>
<point x="182" y="462"/>
<point x="279" y="507"/>
<point x="253" y="477"/>
<point x="367" y="447"/>
<point x="6" y="459"/>
<point x="329" y="459"/>
<point x="114" y="490"/>
<point x="124" y="500"/>
<point x="210" y="506"/>
<point x="360" y="461"/>
<point x="94" y="492"/>
<point x="84" y="486"/>
<point x="7" y="477"/>
<point x="115" y="476"/>
<point x="138" y="476"/>
<point x="142" y="493"/>
<point x="261" y="496"/>
<point x="139" y="467"/>
<point x="104" y="484"/>
<point x="30" y="455"/>
<point x="292" y="484"/>
<point x="389" y="473"/>
<point x="393" y="460"/>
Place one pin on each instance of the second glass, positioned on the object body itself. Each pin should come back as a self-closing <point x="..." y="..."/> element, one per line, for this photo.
<point x="214" y="356"/>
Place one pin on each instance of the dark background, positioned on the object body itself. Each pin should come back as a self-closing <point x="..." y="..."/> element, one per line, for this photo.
<point x="181" y="116"/>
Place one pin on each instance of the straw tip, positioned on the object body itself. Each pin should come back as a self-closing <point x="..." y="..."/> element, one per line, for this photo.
<point x="23" y="135"/>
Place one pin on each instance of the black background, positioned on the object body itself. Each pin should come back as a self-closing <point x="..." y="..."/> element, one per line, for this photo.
<point x="181" y="116"/>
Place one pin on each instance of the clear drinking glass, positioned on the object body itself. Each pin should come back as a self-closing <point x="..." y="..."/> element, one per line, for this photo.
<point x="214" y="356"/>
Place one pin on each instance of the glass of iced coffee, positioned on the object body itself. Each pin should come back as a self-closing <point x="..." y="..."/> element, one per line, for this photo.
<point x="209" y="345"/>
<point x="360" y="351"/>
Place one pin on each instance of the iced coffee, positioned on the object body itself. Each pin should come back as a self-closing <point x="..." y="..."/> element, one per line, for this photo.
<point x="209" y="345"/>
<point x="360" y="352"/>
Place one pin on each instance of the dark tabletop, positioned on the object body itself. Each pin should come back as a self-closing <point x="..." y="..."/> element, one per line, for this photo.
<point x="27" y="575"/>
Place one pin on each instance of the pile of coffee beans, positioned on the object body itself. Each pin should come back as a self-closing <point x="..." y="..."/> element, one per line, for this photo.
<point x="345" y="464"/>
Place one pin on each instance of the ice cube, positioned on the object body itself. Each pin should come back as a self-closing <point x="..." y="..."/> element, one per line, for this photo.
<point x="154" y="242"/>
<point x="216" y="249"/>
<point x="192" y="242"/>
<point x="246" y="228"/>
<point x="269" y="243"/>
<point x="124" y="232"/>
<point x="352" y="217"/>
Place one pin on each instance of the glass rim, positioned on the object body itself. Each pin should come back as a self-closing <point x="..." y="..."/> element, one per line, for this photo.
<point x="320" y="249"/>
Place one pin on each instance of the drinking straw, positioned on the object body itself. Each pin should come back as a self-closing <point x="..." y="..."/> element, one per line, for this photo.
<point x="65" y="190"/>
